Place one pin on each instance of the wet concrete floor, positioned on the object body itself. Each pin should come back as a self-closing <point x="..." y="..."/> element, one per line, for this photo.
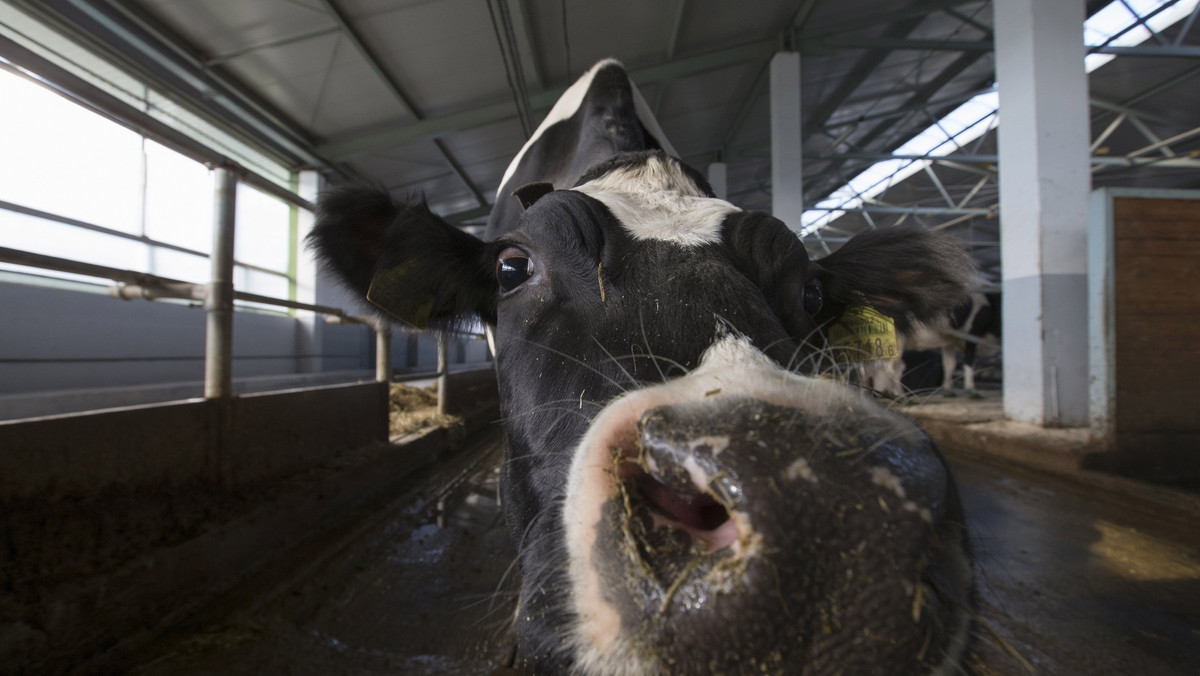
<point x="1071" y="581"/>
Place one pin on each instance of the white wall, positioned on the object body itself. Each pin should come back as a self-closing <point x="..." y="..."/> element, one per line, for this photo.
<point x="75" y="350"/>
<point x="55" y="339"/>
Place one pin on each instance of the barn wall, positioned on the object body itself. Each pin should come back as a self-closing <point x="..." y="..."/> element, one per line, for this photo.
<point x="1148" y="314"/>
<point x="65" y="350"/>
<point x="58" y="339"/>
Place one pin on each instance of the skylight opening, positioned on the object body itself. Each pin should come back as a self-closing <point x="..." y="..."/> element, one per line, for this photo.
<point x="1113" y="25"/>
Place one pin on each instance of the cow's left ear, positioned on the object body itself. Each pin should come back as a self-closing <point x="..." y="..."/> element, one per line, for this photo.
<point x="907" y="273"/>
<point x="403" y="258"/>
<point x="773" y="257"/>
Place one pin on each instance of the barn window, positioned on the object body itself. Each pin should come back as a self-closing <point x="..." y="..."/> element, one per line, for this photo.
<point x="1119" y="24"/>
<point x="76" y="185"/>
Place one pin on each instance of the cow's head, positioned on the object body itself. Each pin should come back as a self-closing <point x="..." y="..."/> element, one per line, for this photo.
<point x="687" y="494"/>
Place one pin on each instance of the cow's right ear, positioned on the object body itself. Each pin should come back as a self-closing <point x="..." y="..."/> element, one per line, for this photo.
<point x="402" y="257"/>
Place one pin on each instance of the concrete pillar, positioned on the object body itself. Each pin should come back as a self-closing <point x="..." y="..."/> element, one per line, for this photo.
<point x="1044" y="184"/>
<point x="787" y="182"/>
<point x="718" y="178"/>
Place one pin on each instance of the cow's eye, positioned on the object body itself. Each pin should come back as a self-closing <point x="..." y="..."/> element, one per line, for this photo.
<point x="814" y="297"/>
<point x="513" y="267"/>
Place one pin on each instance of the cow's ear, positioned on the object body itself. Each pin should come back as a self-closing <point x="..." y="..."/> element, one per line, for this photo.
<point x="402" y="257"/>
<point x="905" y="273"/>
<point x="773" y="257"/>
<point x="532" y="192"/>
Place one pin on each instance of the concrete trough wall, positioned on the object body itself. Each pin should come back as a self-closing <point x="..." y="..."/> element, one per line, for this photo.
<point x="120" y="524"/>
<point x="233" y="442"/>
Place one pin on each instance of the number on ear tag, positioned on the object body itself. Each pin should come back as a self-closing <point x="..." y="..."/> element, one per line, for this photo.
<point x="863" y="334"/>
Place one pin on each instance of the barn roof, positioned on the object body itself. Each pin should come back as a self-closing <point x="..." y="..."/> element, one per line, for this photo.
<point x="435" y="96"/>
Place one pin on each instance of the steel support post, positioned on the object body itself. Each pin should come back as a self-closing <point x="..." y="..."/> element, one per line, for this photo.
<point x="787" y="157"/>
<point x="443" y="369"/>
<point x="1044" y="184"/>
<point x="218" y="299"/>
<point x="383" y="351"/>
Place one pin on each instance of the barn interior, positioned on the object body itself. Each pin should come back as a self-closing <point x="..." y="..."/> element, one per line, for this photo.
<point x="215" y="459"/>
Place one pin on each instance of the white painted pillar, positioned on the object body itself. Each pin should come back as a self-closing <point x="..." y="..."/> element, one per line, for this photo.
<point x="787" y="167"/>
<point x="718" y="178"/>
<point x="1044" y="184"/>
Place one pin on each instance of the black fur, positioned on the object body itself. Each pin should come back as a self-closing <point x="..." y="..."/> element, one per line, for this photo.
<point x="361" y="233"/>
<point x="908" y="273"/>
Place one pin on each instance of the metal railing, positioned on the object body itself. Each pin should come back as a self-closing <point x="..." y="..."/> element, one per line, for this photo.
<point x="217" y="296"/>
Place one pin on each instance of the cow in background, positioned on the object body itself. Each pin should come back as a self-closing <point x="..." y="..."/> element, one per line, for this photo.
<point x="686" y="495"/>
<point x="972" y="325"/>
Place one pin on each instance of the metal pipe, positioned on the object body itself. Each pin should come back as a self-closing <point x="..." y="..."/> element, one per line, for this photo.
<point x="18" y="257"/>
<point x="154" y="290"/>
<point x="383" y="352"/>
<point x="347" y="319"/>
<point x="218" y="298"/>
<point x="443" y="366"/>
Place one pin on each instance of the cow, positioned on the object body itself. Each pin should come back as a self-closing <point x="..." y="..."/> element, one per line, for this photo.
<point x="965" y="330"/>
<point x="688" y="495"/>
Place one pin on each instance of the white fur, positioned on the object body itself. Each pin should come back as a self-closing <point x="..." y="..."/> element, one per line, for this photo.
<point x="657" y="200"/>
<point x="566" y="106"/>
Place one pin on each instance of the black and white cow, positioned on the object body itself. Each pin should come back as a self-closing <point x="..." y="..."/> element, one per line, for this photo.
<point x="687" y="497"/>
<point x="965" y="329"/>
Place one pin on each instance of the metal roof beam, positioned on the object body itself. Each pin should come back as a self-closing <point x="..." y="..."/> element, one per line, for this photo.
<point x="369" y="57"/>
<point x="272" y="44"/>
<point x="739" y="118"/>
<point x="393" y="87"/>
<point x="123" y="33"/>
<point x="503" y="110"/>
<point x="912" y="211"/>
<point x="969" y="20"/>
<point x="922" y="96"/>
<point x="895" y="44"/>
<point x="900" y="112"/>
<point x="826" y="44"/>
<point x="918" y="12"/>
<point x="862" y="70"/>
<point x="672" y="43"/>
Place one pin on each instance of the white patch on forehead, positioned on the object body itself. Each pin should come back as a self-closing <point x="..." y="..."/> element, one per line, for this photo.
<point x="657" y="200"/>
<point x="566" y="106"/>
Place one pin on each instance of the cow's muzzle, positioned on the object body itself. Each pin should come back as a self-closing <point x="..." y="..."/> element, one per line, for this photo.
<point x="732" y="534"/>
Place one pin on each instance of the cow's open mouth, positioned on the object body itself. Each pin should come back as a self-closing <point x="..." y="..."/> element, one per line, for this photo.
<point x="685" y="508"/>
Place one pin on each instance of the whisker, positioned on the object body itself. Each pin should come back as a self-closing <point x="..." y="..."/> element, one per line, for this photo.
<point x="615" y="362"/>
<point x="577" y="361"/>
<point x="646" y="340"/>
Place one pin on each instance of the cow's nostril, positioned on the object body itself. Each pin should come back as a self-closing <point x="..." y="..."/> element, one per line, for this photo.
<point x="696" y="513"/>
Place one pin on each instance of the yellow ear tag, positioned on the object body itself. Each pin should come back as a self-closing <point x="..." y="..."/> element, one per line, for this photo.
<point x="388" y="293"/>
<point x="863" y="334"/>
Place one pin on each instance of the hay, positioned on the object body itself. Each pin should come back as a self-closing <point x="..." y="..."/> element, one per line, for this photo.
<point x="412" y="409"/>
